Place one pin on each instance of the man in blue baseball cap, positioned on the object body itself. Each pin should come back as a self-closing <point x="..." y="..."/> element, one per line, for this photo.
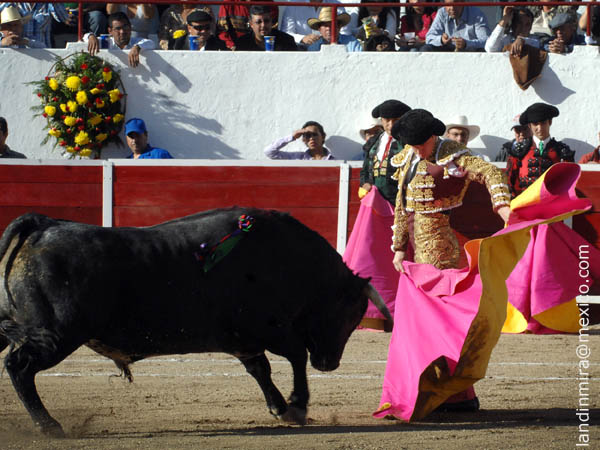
<point x="137" y="140"/>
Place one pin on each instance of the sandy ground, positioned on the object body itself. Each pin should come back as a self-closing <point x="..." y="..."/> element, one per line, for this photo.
<point x="528" y="401"/>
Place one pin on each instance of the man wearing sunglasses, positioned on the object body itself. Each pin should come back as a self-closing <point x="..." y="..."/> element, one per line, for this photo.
<point x="261" y="25"/>
<point x="199" y="24"/>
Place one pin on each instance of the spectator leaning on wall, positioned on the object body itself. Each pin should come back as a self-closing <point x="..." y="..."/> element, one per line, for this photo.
<point x="513" y="29"/>
<point x="11" y="30"/>
<point x="119" y="29"/>
<point x="564" y="30"/>
<point x="5" y="151"/>
<point x="457" y="28"/>
<point x="137" y="140"/>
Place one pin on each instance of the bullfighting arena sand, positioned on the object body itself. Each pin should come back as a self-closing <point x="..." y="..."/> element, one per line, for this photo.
<point x="207" y="401"/>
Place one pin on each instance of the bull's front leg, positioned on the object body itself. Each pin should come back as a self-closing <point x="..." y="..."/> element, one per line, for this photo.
<point x="260" y="369"/>
<point x="299" y="397"/>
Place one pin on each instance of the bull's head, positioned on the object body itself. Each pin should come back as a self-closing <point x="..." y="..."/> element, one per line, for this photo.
<point x="332" y="324"/>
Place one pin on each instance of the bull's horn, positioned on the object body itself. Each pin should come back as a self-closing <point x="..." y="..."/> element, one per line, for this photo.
<point x="372" y="293"/>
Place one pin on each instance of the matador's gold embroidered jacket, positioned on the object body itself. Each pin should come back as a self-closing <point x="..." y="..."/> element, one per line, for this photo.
<point x="440" y="183"/>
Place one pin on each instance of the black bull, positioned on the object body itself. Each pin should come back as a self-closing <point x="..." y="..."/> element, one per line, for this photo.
<point x="131" y="293"/>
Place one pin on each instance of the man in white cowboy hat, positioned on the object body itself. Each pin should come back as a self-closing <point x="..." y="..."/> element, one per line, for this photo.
<point x="295" y="22"/>
<point x="11" y="30"/>
<point x="40" y="16"/>
<point x="459" y="130"/>
<point x="323" y="26"/>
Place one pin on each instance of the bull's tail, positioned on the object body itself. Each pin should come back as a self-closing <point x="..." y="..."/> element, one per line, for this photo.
<point x="37" y="341"/>
<point x="22" y="227"/>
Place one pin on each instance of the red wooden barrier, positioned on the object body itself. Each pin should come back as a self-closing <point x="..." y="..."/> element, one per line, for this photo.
<point x="149" y="195"/>
<point x="146" y="195"/>
<point x="65" y="192"/>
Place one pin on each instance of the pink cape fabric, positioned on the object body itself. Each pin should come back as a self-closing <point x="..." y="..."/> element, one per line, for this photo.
<point x="369" y="252"/>
<point x="540" y="282"/>
<point x="447" y="321"/>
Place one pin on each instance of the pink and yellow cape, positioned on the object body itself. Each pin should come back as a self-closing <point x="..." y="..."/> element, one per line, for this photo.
<point x="369" y="253"/>
<point x="448" y="321"/>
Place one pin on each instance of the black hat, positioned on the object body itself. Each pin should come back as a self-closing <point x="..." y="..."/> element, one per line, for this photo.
<point x="198" y="16"/>
<point x="390" y="109"/>
<point x="538" y="112"/>
<point x="416" y="126"/>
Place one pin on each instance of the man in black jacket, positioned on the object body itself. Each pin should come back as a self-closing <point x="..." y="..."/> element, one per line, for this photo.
<point x="200" y="25"/>
<point x="380" y="149"/>
<point x="261" y="25"/>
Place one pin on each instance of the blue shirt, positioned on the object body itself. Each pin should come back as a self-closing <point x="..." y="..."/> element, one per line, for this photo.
<point x="472" y="26"/>
<point x="39" y="28"/>
<point x="153" y="153"/>
<point x="351" y="43"/>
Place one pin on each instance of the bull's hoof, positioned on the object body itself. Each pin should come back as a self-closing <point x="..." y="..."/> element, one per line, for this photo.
<point x="53" y="430"/>
<point x="294" y="415"/>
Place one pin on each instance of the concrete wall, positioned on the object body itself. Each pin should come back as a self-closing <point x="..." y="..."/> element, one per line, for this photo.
<point x="231" y="105"/>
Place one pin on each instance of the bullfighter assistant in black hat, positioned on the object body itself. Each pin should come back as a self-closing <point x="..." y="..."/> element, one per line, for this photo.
<point x="528" y="160"/>
<point x="380" y="149"/>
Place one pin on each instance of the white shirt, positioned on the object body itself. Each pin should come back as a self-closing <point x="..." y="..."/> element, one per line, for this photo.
<point x="295" y="20"/>
<point x="383" y="144"/>
<point x="499" y="38"/>
<point x="142" y="43"/>
<point x="536" y="141"/>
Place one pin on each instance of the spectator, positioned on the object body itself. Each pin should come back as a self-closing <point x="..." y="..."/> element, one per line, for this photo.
<point x="261" y="25"/>
<point x="372" y="127"/>
<point x="175" y="18"/>
<point x="457" y="28"/>
<point x="94" y="19"/>
<point x="201" y="25"/>
<point x="592" y="157"/>
<point x="527" y="162"/>
<point x="295" y="22"/>
<point x="375" y="21"/>
<point x="11" y="30"/>
<point x="513" y="27"/>
<point x="564" y="30"/>
<point x="143" y="17"/>
<point x="379" y="43"/>
<point x="39" y="27"/>
<point x="522" y="138"/>
<point x="137" y="140"/>
<point x="119" y="29"/>
<point x="5" y="151"/>
<point x="323" y="25"/>
<point x="234" y="22"/>
<point x="594" y="25"/>
<point x="542" y="15"/>
<point x="379" y="151"/>
<point x="313" y="135"/>
<point x="459" y="130"/>
<point x="414" y="26"/>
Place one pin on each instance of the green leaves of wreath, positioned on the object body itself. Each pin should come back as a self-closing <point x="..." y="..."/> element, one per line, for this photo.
<point x="83" y="101"/>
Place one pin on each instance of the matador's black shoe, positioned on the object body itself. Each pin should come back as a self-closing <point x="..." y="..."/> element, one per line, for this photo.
<point x="464" y="406"/>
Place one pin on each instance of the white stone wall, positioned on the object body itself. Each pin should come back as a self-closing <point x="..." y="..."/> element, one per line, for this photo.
<point x="231" y="105"/>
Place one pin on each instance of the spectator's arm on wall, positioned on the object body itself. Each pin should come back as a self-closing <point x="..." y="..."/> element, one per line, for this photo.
<point x="273" y="151"/>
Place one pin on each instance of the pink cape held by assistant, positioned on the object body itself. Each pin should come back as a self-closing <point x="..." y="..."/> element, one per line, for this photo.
<point x="369" y="254"/>
<point x="447" y="322"/>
